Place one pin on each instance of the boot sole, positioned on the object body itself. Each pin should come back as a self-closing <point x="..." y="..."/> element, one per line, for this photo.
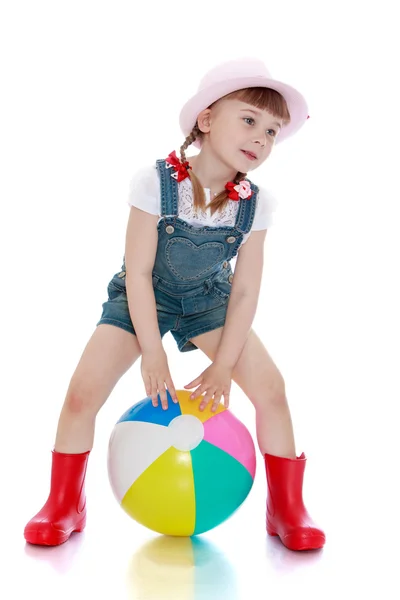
<point x="298" y="541"/>
<point x="52" y="538"/>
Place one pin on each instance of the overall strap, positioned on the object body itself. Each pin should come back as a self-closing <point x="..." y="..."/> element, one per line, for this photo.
<point x="246" y="212"/>
<point x="169" y="190"/>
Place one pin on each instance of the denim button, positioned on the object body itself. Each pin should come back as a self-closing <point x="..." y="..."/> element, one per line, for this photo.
<point x="225" y="264"/>
<point x="122" y="274"/>
<point x="169" y="229"/>
<point x="230" y="278"/>
<point x="230" y="239"/>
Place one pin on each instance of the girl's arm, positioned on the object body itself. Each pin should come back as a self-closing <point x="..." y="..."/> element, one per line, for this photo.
<point x="243" y="299"/>
<point x="140" y="254"/>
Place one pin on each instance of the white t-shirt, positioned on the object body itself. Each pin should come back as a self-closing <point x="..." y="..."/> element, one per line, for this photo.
<point x="144" y="193"/>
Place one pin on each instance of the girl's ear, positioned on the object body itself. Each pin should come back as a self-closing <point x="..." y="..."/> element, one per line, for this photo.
<point x="203" y="120"/>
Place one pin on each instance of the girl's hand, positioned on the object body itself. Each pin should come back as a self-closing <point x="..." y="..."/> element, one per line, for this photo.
<point x="215" y="382"/>
<point x="156" y="376"/>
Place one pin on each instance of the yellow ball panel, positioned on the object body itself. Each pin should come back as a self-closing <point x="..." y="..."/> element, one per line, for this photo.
<point x="162" y="498"/>
<point x="191" y="407"/>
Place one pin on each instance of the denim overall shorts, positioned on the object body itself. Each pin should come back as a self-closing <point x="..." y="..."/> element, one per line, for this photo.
<point x="192" y="274"/>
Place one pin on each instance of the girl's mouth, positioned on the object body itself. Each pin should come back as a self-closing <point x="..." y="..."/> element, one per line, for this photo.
<point x="249" y="155"/>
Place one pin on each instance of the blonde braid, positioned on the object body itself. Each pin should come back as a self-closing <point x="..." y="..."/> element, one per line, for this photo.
<point x="199" y="200"/>
<point x="240" y="176"/>
<point x="188" y="141"/>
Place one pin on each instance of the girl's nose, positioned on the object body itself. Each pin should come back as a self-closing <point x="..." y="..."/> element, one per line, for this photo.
<point x="261" y="138"/>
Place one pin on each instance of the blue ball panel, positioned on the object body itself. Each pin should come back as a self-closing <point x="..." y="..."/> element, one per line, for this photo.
<point x="144" y="411"/>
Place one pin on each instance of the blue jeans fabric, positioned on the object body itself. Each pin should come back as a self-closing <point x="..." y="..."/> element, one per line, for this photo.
<point x="192" y="275"/>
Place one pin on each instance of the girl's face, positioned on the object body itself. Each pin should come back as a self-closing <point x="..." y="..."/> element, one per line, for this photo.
<point x="239" y="134"/>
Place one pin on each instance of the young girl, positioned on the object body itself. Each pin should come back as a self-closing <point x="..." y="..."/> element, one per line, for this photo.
<point x="189" y="217"/>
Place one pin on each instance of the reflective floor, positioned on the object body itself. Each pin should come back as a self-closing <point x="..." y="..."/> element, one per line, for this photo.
<point x="237" y="560"/>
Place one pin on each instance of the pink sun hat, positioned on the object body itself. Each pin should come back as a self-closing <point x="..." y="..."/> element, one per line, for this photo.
<point x="235" y="75"/>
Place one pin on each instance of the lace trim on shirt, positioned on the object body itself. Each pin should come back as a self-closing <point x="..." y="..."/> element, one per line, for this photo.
<point x="226" y="218"/>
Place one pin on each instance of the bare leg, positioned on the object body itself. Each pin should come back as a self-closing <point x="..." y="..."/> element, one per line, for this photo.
<point x="259" y="378"/>
<point x="261" y="381"/>
<point x="110" y="352"/>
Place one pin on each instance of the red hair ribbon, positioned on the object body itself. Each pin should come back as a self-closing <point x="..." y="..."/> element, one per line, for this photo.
<point x="180" y="168"/>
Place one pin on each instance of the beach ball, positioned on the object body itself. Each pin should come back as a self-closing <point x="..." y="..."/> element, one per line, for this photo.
<point x="180" y="471"/>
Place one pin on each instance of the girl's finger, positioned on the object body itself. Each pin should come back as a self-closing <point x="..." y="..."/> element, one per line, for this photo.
<point x="216" y="401"/>
<point x="226" y="399"/>
<point x="163" y="394"/>
<point x="202" y="388"/>
<point x="154" y="392"/>
<point x="147" y="386"/>
<point x="208" y="396"/>
<point x="193" y="383"/>
<point x="171" y="389"/>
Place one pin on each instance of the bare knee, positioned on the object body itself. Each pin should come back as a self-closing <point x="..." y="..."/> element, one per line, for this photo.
<point x="82" y="399"/>
<point x="271" y="392"/>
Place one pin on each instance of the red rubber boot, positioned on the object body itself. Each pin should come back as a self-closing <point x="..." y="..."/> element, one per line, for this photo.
<point x="65" y="509"/>
<point x="287" y="516"/>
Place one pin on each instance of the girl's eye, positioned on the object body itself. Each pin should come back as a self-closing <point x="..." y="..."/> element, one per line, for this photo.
<point x="271" y="131"/>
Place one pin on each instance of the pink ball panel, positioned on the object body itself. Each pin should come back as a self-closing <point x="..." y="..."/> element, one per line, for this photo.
<point x="226" y="432"/>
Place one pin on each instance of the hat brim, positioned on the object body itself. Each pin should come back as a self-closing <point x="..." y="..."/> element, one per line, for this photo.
<point x="295" y="101"/>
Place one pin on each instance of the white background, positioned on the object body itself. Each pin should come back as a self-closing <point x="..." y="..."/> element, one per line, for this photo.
<point x="91" y="91"/>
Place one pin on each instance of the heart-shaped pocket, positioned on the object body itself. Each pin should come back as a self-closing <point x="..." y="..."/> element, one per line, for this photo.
<point x="188" y="261"/>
